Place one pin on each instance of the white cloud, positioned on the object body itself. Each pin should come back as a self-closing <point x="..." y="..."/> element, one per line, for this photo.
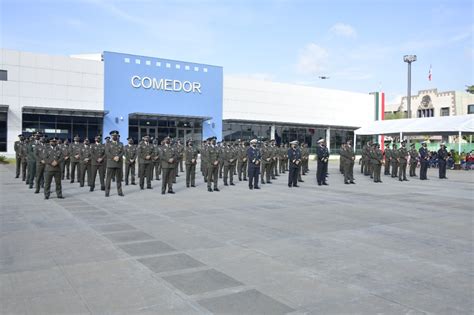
<point x="344" y="30"/>
<point x="312" y="59"/>
<point x="255" y="76"/>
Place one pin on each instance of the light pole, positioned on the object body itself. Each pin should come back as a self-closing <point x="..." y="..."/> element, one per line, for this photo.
<point x="409" y="59"/>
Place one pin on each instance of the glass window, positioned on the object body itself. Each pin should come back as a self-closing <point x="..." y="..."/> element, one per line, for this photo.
<point x="470" y="109"/>
<point x="3" y="75"/>
<point x="3" y="132"/>
<point x="133" y="132"/>
<point x="133" y="122"/>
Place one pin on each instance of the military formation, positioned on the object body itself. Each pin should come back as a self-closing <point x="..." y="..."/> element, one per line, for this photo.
<point x="40" y="160"/>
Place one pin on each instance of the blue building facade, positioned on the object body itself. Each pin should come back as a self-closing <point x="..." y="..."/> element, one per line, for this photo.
<point x="162" y="97"/>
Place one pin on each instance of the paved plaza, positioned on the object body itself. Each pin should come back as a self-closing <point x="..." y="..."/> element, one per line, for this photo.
<point x="391" y="248"/>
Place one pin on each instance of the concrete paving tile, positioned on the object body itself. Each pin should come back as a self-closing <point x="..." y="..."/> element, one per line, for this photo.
<point x="202" y="281"/>
<point x="146" y="248"/>
<point x="247" y="302"/>
<point x="64" y="303"/>
<point x="114" y="227"/>
<point x="170" y="263"/>
<point x="128" y="236"/>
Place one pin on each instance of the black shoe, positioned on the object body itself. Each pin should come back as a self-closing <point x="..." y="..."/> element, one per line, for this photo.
<point x="133" y="183"/>
<point x="61" y="197"/>
<point x="31" y="187"/>
<point x="46" y="197"/>
<point x="102" y="188"/>
<point x="209" y="189"/>
<point x="289" y="185"/>
<point x="149" y="187"/>
<point x="256" y="187"/>
<point x="72" y="181"/>
<point x="107" y="194"/>
<point x="37" y="191"/>
<point x="216" y="189"/>
<point x="406" y="180"/>
<point x="81" y="185"/>
<point x="352" y="182"/>
<point x="296" y="186"/>
<point x="401" y="180"/>
<point x="245" y="179"/>
<point x="380" y="181"/>
<point x="170" y="192"/>
<point x="319" y="184"/>
<point x="163" y="192"/>
<point x="300" y="180"/>
<point x="269" y="182"/>
<point x="120" y="194"/>
<point x="225" y="184"/>
<point x="240" y="179"/>
<point x="187" y="185"/>
<point x="262" y="182"/>
<point x="232" y="184"/>
<point x="126" y="183"/>
<point x="91" y="189"/>
<point x="17" y="176"/>
<point x="325" y="184"/>
<point x="347" y="183"/>
<point x="177" y="175"/>
<point x="250" y="187"/>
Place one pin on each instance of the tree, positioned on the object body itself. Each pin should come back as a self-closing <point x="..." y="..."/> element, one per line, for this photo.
<point x="470" y="89"/>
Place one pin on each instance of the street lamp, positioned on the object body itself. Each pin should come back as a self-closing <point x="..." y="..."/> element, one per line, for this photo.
<point x="409" y="59"/>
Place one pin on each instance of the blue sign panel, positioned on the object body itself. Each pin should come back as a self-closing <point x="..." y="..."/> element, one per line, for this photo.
<point x="137" y="84"/>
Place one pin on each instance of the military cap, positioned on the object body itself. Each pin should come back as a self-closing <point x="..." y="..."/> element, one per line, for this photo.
<point x="114" y="133"/>
<point x="443" y="144"/>
<point x="320" y="140"/>
<point x="167" y="138"/>
<point x="77" y="137"/>
<point x="423" y="142"/>
<point x="253" y="141"/>
<point x="107" y="137"/>
<point x="98" y="136"/>
<point x="129" y="138"/>
<point x="53" y="139"/>
<point x="21" y="135"/>
<point x="294" y="142"/>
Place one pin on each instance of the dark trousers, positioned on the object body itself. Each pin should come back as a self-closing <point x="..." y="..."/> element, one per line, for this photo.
<point x="75" y="165"/>
<point x="293" y="175"/>
<point x="48" y="178"/>
<point x="18" y="166"/>
<point x="348" y="169"/>
<point x="130" y="172"/>
<point x="39" y="177"/>
<point x="266" y="171"/>
<point x="24" y="165"/>
<point x="402" y="171"/>
<point x="281" y="166"/>
<point x="31" y="172"/>
<point x="367" y="167"/>
<point x="101" y="169"/>
<point x="387" y="167"/>
<point x="229" y="173"/>
<point x="220" y="167"/>
<point x="167" y="177"/>
<point x="157" y="168"/>
<point x="65" y="168"/>
<point x="322" y="171"/>
<point x="145" y="171"/>
<point x="190" y="174"/>
<point x="394" y="168"/>
<point x="253" y="173"/>
<point x="377" y="170"/>
<point x="85" y="169"/>
<point x="212" y="173"/>
<point x="242" y="169"/>
<point x="423" y="169"/>
<point x="442" y="168"/>
<point x="180" y="165"/>
<point x="117" y="173"/>
<point x="413" y="168"/>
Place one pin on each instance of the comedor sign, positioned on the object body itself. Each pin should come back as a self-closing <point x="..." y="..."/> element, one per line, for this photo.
<point x="165" y="84"/>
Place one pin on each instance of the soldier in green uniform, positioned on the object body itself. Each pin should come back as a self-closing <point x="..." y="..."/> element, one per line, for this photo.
<point x="387" y="157"/>
<point x="394" y="160"/>
<point x="24" y="159"/>
<point x="31" y="157"/>
<point x="213" y="158"/>
<point x="98" y="163"/>
<point x="304" y="159"/>
<point x="229" y="158"/>
<point x="347" y="157"/>
<point x="274" y="160"/>
<point x="53" y="157"/>
<point x="85" y="158"/>
<point x="75" y="158"/>
<point x="373" y="159"/>
<point x="413" y="160"/>
<point x="180" y="152"/>
<point x="190" y="158"/>
<point x="242" y="161"/>
<point x="145" y="154"/>
<point x="366" y="161"/>
<point x="221" y="146"/>
<point x="156" y="160"/>
<point x="114" y="155"/>
<point x="266" y="163"/>
<point x="341" y="162"/>
<point x="17" y="146"/>
<point x="175" y="170"/>
<point x="402" y="156"/>
<point x="168" y="161"/>
<point x="204" y="162"/>
<point x="130" y="153"/>
<point x="40" y="151"/>
<point x="66" y="161"/>
<point x="377" y="157"/>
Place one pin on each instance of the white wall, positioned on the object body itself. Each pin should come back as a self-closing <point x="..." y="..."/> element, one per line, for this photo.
<point x="47" y="81"/>
<point x="270" y="101"/>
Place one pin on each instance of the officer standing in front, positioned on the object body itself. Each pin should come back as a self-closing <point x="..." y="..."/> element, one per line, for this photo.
<point x="168" y="159"/>
<point x="145" y="159"/>
<point x="229" y="159"/>
<point x="190" y="158"/>
<point x="254" y="158"/>
<point x="130" y="153"/>
<point x="413" y="160"/>
<point x="377" y="163"/>
<point x="40" y="151"/>
<point x="98" y="161"/>
<point x="53" y="157"/>
<point x="294" y="159"/>
<point x="86" y="155"/>
<point x="442" y="158"/>
<point x="387" y="153"/>
<point x="114" y="155"/>
<point x="402" y="162"/>
<point x="424" y="160"/>
<point x="31" y="156"/>
<point x="394" y="160"/>
<point x="213" y="158"/>
<point x="323" y="157"/>
<point x="347" y="160"/>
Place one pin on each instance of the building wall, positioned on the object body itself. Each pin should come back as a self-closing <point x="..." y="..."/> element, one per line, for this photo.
<point x="47" y="81"/>
<point x="248" y="99"/>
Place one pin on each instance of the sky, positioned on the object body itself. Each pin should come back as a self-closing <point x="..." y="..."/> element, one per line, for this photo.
<point x="359" y="44"/>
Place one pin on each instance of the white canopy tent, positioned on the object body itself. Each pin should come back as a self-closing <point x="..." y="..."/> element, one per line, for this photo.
<point x="445" y="125"/>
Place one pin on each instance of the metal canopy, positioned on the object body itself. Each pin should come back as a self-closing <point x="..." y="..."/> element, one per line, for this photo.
<point x="63" y="111"/>
<point x="167" y="117"/>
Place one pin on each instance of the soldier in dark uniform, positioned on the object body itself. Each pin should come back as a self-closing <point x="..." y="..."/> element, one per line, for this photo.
<point x="66" y="162"/>
<point x="190" y="158"/>
<point x="145" y="154"/>
<point x="168" y="160"/>
<point x="424" y="160"/>
<point x="31" y="156"/>
<point x="98" y="163"/>
<point x="75" y="156"/>
<point x="387" y="153"/>
<point x="86" y="156"/>
<point x="114" y="155"/>
<point x="377" y="163"/>
<point x="17" y="146"/>
<point x="53" y="157"/>
<point x="130" y="153"/>
<point x="402" y="162"/>
<point x="40" y="151"/>
<point x="254" y="158"/>
<point x="24" y="159"/>
<point x="323" y="157"/>
<point x="242" y="162"/>
<point x="442" y="158"/>
<point x="229" y="158"/>
<point x="394" y="160"/>
<point x="413" y="160"/>
<point x="213" y="159"/>
<point x="294" y="161"/>
<point x="341" y="160"/>
<point x="347" y="157"/>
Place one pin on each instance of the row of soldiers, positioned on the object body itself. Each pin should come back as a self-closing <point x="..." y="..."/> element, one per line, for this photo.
<point x="396" y="160"/>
